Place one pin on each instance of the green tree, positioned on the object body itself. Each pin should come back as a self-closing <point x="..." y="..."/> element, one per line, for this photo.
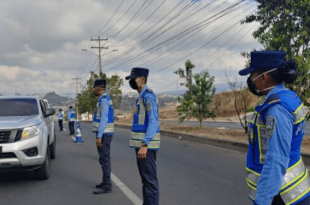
<point x="87" y="100"/>
<point x="284" y="25"/>
<point x="196" y="102"/>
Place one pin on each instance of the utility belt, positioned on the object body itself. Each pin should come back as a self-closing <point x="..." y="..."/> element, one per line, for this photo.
<point x="296" y="183"/>
<point x="109" y="128"/>
<point x="137" y="137"/>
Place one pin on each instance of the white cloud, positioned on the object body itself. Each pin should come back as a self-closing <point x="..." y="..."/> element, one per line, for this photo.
<point x="42" y="42"/>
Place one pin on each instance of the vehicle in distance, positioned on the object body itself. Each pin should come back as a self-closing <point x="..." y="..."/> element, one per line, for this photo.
<point x="27" y="140"/>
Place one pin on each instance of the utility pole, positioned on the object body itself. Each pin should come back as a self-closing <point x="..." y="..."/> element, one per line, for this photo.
<point x="77" y="87"/>
<point x="99" y="48"/>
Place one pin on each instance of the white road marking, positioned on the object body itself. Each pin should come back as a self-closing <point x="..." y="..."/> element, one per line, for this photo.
<point x="131" y="196"/>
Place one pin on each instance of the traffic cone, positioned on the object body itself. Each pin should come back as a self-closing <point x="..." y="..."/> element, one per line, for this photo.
<point x="78" y="138"/>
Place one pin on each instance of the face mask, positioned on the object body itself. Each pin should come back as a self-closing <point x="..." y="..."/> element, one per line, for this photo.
<point x="252" y="86"/>
<point x="133" y="84"/>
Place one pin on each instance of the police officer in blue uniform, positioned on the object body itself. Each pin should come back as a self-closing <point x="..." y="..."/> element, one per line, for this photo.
<point x="71" y="119"/>
<point x="145" y="134"/>
<point x="103" y="126"/>
<point x="60" y="119"/>
<point x="275" y="172"/>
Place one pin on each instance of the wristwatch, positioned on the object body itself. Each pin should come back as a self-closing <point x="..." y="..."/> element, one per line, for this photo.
<point x="144" y="144"/>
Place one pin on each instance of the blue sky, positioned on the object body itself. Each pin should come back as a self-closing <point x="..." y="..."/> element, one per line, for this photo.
<point x="42" y="41"/>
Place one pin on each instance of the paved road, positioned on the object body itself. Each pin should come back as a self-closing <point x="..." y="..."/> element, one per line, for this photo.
<point x="230" y="125"/>
<point x="189" y="174"/>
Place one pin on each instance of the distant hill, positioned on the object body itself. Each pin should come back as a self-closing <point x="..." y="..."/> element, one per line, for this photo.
<point x="58" y="100"/>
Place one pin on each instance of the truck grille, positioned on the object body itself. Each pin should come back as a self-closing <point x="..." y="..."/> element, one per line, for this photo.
<point x="4" y="136"/>
<point x="7" y="155"/>
<point x="18" y="135"/>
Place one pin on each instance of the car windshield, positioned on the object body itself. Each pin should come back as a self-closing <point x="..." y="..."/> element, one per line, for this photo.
<point x="18" y="107"/>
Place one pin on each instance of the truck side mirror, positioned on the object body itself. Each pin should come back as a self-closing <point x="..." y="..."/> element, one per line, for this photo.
<point x="49" y="112"/>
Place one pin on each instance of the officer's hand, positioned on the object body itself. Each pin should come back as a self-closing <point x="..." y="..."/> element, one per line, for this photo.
<point x="98" y="142"/>
<point x="142" y="152"/>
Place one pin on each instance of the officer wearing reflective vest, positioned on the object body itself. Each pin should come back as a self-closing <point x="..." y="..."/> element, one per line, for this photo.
<point x="60" y="119"/>
<point x="275" y="172"/>
<point x="103" y="126"/>
<point x="71" y="119"/>
<point x="145" y="135"/>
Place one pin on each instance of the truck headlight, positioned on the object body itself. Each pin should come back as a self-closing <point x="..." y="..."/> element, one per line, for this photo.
<point x="31" y="131"/>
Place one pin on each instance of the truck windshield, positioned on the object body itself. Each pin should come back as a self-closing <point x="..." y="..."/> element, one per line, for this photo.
<point x="18" y="107"/>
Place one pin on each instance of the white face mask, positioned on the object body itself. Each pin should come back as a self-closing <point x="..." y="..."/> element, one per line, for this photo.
<point x="259" y="76"/>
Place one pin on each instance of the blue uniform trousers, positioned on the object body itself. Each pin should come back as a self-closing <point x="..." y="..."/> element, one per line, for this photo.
<point x="277" y="200"/>
<point x="60" y="125"/>
<point x="105" y="159"/>
<point x="71" y="127"/>
<point x="148" y="172"/>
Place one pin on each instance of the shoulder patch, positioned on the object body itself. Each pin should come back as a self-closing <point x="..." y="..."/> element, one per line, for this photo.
<point x="270" y="126"/>
<point x="149" y="90"/>
<point x="148" y="106"/>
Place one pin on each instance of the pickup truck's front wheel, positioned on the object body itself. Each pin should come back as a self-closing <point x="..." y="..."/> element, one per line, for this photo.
<point x="53" y="148"/>
<point x="44" y="171"/>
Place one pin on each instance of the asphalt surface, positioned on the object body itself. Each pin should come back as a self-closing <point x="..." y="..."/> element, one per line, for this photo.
<point x="230" y="125"/>
<point x="188" y="173"/>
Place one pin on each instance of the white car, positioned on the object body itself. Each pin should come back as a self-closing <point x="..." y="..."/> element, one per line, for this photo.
<point x="27" y="135"/>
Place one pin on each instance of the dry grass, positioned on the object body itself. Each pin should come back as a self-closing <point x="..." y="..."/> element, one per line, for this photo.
<point x="224" y="103"/>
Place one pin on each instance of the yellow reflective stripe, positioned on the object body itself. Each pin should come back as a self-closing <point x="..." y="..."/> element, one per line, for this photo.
<point x="259" y="145"/>
<point x="140" y="136"/>
<point x="300" y="106"/>
<point x="292" y="174"/>
<point x="295" y="165"/>
<point x="300" y="113"/>
<point x="254" y="172"/>
<point x="252" y="191"/>
<point x="292" y="187"/>
<point x="303" y="181"/>
<point x="137" y="143"/>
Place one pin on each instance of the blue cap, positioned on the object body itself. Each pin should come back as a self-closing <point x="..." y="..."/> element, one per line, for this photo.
<point x="264" y="60"/>
<point x="100" y="82"/>
<point x="137" y="72"/>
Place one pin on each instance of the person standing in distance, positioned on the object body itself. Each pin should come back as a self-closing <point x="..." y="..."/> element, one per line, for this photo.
<point x="275" y="173"/>
<point x="60" y="119"/>
<point x="145" y="134"/>
<point x="71" y="119"/>
<point x="103" y="126"/>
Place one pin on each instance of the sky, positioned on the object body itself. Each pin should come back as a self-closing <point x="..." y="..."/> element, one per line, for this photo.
<point x="47" y="45"/>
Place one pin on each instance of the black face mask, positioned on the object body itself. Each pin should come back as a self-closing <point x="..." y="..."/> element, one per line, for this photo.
<point x="252" y="87"/>
<point x="133" y="84"/>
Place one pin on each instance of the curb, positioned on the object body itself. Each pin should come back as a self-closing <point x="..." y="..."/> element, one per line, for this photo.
<point x="236" y="146"/>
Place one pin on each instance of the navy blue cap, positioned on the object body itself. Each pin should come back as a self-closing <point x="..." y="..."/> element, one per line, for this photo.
<point x="137" y="72"/>
<point x="100" y="82"/>
<point x="264" y="60"/>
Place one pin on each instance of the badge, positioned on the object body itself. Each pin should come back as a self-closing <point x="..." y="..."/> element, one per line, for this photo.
<point x="250" y="135"/>
<point x="270" y="126"/>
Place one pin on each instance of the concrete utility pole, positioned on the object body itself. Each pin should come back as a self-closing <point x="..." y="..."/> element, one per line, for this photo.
<point x="77" y="87"/>
<point x="99" y="48"/>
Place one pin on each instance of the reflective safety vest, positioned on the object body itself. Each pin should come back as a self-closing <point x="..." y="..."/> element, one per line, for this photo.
<point x="109" y="128"/>
<point x="140" y="124"/>
<point x="296" y="183"/>
<point x="60" y="116"/>
<point x="71" y="115"/>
